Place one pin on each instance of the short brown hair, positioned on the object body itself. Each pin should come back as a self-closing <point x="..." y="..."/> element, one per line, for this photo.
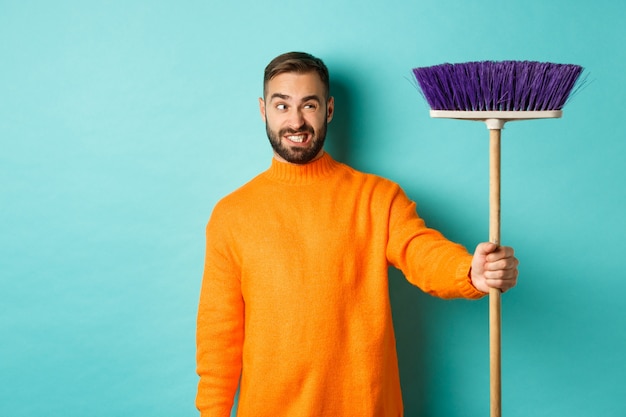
<point x="298" y="62"/>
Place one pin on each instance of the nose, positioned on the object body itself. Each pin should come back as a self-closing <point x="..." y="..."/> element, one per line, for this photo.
<point x="296" y="119"/>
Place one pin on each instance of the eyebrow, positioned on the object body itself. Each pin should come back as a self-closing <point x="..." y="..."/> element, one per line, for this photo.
<point x="287" y="97"/>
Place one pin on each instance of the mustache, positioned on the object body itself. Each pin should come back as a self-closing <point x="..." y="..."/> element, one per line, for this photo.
<point x="304" y="129"/>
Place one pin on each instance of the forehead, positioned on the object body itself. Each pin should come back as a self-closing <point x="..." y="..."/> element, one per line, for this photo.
<point x="295" y="85"/>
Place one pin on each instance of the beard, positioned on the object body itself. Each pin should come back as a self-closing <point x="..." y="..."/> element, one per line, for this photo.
<point x="297" y="155"/>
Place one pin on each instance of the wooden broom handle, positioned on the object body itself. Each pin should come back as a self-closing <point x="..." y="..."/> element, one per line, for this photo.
<point x="494" y="293"/>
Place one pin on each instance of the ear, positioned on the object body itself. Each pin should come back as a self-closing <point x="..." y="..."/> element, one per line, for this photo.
<point x="330" y="109"/>
<point x="262" y="108"/>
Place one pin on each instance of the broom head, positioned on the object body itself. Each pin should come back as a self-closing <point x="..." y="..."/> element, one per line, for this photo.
<point x="498" y="87"/>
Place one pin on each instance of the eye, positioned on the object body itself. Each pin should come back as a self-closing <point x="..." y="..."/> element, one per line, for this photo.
<point x="281" y="107"/>
<point x="310" y="106"/>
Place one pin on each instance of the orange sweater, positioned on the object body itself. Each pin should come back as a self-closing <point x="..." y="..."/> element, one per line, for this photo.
<point x="295" y="301"/>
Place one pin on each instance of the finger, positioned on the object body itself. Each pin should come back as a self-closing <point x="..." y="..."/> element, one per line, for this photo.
<point x="500" y="252"/>
<point x="501" y="275"/>
<point x="500" y="270"/>
<point x="501" y="284"/>
<point x="501" y="264"/>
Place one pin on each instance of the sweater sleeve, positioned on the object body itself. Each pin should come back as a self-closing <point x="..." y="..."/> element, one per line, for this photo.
<point x="220" y="324"/>
<point x="427" y="259"/>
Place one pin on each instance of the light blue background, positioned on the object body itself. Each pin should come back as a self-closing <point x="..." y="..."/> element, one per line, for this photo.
<point x="123" y="122"/>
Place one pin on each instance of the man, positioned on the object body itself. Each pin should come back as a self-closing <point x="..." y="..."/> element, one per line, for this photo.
<point x="294" y="304"/>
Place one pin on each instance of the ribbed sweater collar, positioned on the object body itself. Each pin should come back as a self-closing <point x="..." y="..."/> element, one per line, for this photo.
<point x="295" y="174"/>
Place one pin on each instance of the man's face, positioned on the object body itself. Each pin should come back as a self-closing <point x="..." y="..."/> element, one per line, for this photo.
<point x="296" y="113"/>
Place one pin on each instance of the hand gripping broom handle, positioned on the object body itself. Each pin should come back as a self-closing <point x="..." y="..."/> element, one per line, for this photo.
<point x="494" y="293"/>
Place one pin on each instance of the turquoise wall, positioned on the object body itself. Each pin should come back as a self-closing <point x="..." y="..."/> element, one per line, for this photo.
<point x="123" y="122"/>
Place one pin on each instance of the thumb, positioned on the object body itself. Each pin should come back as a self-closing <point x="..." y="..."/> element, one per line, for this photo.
<point x="485" y="248"/>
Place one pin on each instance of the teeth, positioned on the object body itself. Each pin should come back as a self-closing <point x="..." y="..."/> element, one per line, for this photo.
<point x="297" y="139"/>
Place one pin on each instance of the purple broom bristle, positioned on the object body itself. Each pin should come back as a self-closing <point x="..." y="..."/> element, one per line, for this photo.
<point x="497" y="85"/>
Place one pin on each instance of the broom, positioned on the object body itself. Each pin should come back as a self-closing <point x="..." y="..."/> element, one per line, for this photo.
<point x="495" y="93"/>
